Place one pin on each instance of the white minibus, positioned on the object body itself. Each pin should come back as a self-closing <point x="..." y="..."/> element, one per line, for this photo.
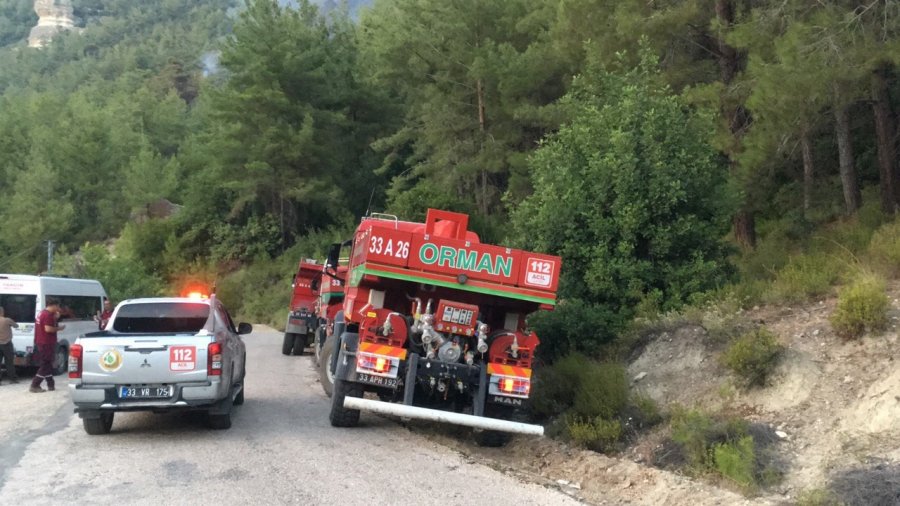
<point x="24" y="296"/>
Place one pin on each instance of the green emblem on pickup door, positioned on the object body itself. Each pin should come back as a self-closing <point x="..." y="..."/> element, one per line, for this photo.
<point x="465" y="260"/>
<point x="111" y="360"/>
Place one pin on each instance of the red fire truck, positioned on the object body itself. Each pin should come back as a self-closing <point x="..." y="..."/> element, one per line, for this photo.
<point x="302" y="320"/>
<point x="433" y="322"/>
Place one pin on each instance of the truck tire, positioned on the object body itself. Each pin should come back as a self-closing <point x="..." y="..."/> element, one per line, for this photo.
<point x="239" y="398"/>
<point x="340" y="416"/>
<point x="299" y="343"/>
<point x="98" y="425"/>
<point x="288" y="344"/>
<point x="60" y="360"/>
<point x="318" y="341"/>
<point x="492" y="438"/>
<point x="326" y="375"/>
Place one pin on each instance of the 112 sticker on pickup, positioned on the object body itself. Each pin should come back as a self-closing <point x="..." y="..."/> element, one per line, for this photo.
<point x="182" y="358"/>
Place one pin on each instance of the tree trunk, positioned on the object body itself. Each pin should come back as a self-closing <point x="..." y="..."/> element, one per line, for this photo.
<point x="479" y="92"/>
<point x="744" y="223"/>
<point x="808" y="172"/>
<point x="887" y="150"/>
<point x="729" y="60"/>
<point x="845" y="156"/>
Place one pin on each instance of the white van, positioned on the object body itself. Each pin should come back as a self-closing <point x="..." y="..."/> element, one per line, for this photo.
<point x="23" y="297"/>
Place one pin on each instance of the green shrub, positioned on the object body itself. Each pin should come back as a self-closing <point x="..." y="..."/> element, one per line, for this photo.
<point x="884" y="248"/>
<point x="753" y="356"/>
<point x="805" y="277"/>
<point x="122" y="277"/>
<point x="647" y="411"/>
<point x="861" y="307"/>
<point x="575" y="326"/>
<point x="772" y="252"/>
<point x="595" y="434"/>
<point x="555" y="385"/>
<point x="692" y="431"/>
<point x="697" y="433"/>
<point x="580" y="387"/>
<point x="736" y="460"/>
<point x="602" y="391"/>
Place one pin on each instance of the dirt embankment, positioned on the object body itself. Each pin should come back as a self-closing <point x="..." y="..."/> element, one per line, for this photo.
<point x="834" y="405"/>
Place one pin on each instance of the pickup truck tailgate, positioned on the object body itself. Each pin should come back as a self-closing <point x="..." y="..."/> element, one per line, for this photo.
<point x="145" y="360"/>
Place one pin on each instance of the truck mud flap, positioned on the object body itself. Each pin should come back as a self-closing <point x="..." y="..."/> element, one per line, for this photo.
<point x="436" y="415"/>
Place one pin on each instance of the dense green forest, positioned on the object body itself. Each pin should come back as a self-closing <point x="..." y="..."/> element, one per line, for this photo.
<point x="667" y="150"/>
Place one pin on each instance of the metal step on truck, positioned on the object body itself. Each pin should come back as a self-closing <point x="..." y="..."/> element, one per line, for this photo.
<point x="434" y="323"/>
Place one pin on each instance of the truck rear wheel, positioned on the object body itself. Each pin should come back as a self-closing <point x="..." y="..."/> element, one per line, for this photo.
<point x="288" y="344"/>
<point x="326" y="375"/>
<point x="299" y="343"/>
<point x="341" y="416"/>
<point x="98" y="425"/>
<point x="318" y="341"/>
<point x="492" y="438"/>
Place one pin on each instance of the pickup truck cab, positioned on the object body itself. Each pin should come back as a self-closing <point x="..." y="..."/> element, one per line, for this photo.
<point x="160" y="355"/>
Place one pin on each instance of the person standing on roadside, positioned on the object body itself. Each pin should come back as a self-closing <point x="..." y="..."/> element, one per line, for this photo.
<point x="103" y="317"/>
<point x="7" y="350"/>
<point x="45" y="329"/>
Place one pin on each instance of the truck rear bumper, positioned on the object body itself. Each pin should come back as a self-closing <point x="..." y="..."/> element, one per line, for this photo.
<point x="436" y="415"/>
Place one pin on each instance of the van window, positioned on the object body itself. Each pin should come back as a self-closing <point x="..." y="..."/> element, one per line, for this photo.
<point x="162" y="317"/>
<point x="20" y="307"/>
<point x="77" y="307"/>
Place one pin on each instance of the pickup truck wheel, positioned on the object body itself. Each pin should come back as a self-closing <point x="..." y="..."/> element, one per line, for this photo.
<point x="220" y="422"/>
<point x="288" y="344"/>
<point x="61" y="360"/>
<point x="97" y="426"/>
<point x="239" y="398"/>
<point x="341" y="416"/>
<point x="326" y="375"/>
<point x="299" y="343"/>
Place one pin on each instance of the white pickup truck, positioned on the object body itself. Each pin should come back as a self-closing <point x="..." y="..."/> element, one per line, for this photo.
<point x="160" y="355"/>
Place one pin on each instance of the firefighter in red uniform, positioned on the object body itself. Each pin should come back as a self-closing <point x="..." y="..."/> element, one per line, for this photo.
<point x="45" y="329"/>
<point x="103" y="318"/>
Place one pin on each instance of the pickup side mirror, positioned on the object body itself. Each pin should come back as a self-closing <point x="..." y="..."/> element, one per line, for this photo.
<point x="244" y="328"/>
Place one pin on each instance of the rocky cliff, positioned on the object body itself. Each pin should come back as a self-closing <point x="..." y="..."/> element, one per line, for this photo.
<point x="55" y="16"/>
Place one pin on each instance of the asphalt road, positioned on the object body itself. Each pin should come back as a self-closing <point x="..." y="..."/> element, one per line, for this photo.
<point x="280" y="450"/>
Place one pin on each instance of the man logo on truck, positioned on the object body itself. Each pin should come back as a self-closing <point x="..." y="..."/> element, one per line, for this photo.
<point x="463" y="259"/>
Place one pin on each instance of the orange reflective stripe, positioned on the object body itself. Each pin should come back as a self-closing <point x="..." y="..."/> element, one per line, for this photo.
<point x="383" y="349"/>
<point x="509" y="370"/>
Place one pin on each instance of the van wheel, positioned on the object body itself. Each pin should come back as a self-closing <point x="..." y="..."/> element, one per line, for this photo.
<point x="99" y="425"/>
<point x="61" y="361"/>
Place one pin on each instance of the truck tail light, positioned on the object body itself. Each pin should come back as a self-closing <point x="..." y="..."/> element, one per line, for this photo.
<point x="214" y="359"/>
<point x="377" y="364"/>
<point x="510" y="386"/>
<point x="76" y="352"/>
<point x="515" y="386"/>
